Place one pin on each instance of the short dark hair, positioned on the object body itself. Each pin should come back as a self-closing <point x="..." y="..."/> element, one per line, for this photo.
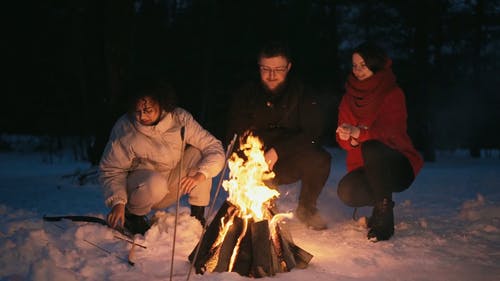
<point x="274" y="48"/>
<point x="374" y="56"/>
<point x="160" y="91"/>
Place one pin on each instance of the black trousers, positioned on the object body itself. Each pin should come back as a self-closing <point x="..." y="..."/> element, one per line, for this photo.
<point x="385" y="171"/>
<point x="308" y="163"/>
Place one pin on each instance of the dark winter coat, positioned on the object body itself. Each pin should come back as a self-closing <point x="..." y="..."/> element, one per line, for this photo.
<point x="283" y="120"/>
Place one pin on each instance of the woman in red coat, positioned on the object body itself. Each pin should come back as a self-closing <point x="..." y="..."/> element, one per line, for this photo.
<point x="372" y="125"/>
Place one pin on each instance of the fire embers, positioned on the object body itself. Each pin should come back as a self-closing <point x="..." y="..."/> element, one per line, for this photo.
<point x="245" y="235"/>
<point x="250" y="248"/>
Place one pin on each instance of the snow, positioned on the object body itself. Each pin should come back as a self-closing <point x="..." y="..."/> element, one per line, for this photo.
<point x="447" y="227"/>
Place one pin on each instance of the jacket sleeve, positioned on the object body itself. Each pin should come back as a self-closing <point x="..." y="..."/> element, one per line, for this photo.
<point x="303" y="122"/>
<point x="211" y="148"/>
<point x="391" y="119"/>
<point x="113" y="169"/>
<point x="303" y="108"/>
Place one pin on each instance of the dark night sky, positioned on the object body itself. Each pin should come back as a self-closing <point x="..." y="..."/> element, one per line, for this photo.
<point x="69" y="62"/>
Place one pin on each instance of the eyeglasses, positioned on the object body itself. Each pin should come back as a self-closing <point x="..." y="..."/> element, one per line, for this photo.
<point x="274" y="70"/>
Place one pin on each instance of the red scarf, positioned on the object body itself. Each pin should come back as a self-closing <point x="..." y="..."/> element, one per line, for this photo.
<point x="365" y="97"/>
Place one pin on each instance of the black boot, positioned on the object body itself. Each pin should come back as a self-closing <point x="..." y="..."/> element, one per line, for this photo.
<point x="381" y="223"/>
<point x="199" y="213"/>
<point x="136" y="224"/>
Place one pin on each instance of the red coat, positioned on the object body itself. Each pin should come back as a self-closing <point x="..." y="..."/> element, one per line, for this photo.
<point x="385" y="121"/>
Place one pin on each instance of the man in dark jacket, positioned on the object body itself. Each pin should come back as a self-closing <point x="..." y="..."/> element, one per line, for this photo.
<point x="282" y="113"/>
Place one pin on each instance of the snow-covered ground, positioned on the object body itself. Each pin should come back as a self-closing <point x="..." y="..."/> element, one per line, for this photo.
<point x="447" y="228"/>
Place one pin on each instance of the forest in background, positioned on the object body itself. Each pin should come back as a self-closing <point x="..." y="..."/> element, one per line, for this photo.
<point x="68" y="62"/>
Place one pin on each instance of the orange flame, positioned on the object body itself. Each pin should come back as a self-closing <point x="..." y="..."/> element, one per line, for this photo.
<point x="248" y="193"/>
<point x="246" y="186"/>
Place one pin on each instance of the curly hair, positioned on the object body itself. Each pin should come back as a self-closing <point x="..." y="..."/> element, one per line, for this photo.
<point x="159" y="91"/>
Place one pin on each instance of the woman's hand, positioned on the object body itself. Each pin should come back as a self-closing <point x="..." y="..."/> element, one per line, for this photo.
<point x="189" y="182"/>
<point x="116" y="216"/>
<point x="346" y="131"/>
<point x="343" y="132"/>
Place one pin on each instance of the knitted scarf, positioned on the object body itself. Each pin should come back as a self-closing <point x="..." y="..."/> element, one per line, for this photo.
<point x="365" y="97"/>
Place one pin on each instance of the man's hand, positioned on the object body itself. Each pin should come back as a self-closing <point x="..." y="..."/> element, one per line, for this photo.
<point x="189" y="182"/>
<point x="116" y="216"/>
<point x="271" y="157"/>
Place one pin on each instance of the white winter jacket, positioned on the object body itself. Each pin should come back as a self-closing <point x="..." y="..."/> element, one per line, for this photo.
<point x="133" y="146"/>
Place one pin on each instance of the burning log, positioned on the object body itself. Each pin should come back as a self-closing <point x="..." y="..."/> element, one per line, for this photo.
<point x="245" y="235"/>
<point x="247" y="247"/>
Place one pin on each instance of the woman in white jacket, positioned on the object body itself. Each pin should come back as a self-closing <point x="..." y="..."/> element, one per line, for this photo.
<point x="140" y="164"/>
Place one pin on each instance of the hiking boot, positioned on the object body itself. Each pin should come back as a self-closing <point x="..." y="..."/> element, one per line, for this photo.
<point x="136" y="224"/>
<point x="381" y="223"/>
<point x="199" y="213"/>
<point x="311" y="218"/>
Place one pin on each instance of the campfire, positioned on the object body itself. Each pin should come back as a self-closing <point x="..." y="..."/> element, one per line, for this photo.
<point x="245" y="235"/>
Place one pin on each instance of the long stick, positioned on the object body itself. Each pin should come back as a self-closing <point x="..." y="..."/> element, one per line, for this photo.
<point x="126" y="237"/>
<point x="219" y="184"/>
<point x="94" y="244"/>
<point x="130" y="241"/>
<point x="181" y="163"/>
